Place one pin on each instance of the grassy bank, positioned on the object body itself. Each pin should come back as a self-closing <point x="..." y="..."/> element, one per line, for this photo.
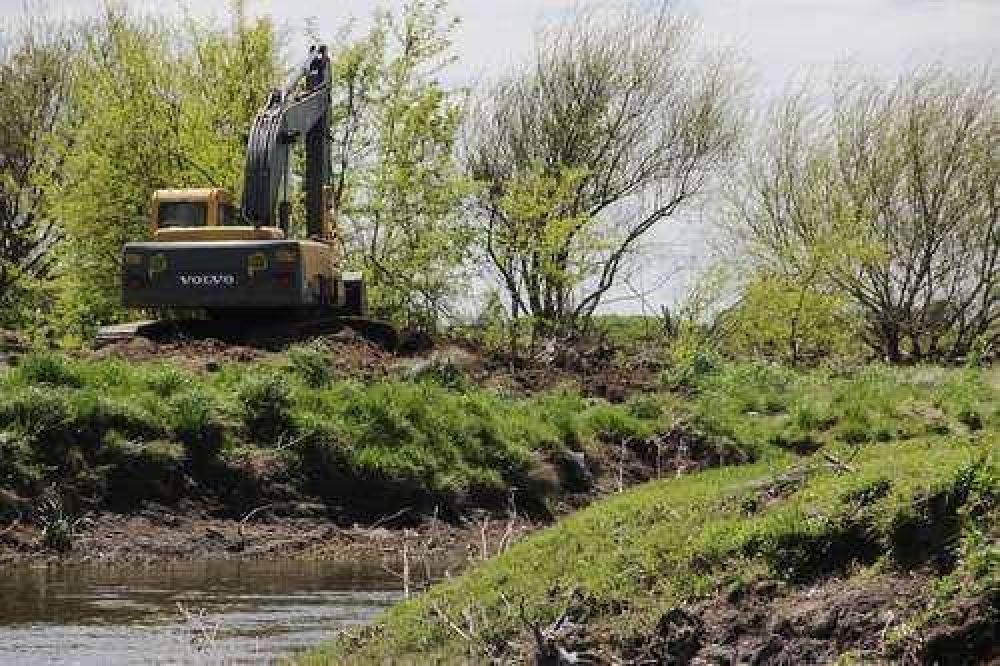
<point x="874" y="473"/>
<point x="635" y="557"/>
<point x="112" y="434"/>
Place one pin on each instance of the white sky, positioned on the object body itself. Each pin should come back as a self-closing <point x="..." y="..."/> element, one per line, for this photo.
<point x="780" y="38"/>
<point x="782" y="41"/>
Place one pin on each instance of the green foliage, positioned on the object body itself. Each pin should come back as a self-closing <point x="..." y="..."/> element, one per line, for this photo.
<point x="17" y="468"/>
<point x="691" y="364"/>
<point x="595" y="122"/>
<point x="443" y="373"/>
<point x="615" y="424"/>
<point x="34" y="82"/>
<point x="310" y="363"/>
<point x="154" y="104"/>
<point x="266" y="408"/>
<point x="407" y="230"/>
<point x="167" y="382"/>
<point x="790" y="320"/>
<point x="538" y="231"/>
<point x="762" y="403"/>
<point x="197" y="425"/>
<point x="51" y="369"/>
<point x="840" y="245"/>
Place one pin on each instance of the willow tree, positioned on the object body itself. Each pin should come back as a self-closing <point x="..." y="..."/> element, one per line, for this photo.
<point x="613" y="128"/>
<point x="398" y="188"/>
<point x="34" y="82"/>
<point x="888" y="198"/>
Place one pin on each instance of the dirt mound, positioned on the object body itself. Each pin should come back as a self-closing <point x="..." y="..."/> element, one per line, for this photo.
<point x="865" y="619"/>
<point x="594" y="372"/>
<point x="349" y="354"/>
<point x="808" y="625"/>
<point x="193" y="354"/>
<point x="680" y="450"/>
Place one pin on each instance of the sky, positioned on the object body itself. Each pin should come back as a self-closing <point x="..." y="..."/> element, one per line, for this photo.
<point x="779" y="38"/>
<point x="781" y="41"/>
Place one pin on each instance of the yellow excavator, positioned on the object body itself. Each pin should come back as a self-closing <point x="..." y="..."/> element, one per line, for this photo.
<point x="240" y="267"/>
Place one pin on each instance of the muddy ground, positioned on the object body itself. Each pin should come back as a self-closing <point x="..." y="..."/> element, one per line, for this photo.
<point x="864" y="619"/>
<point x="305" y="527"/>
<point x="159" y="533"/>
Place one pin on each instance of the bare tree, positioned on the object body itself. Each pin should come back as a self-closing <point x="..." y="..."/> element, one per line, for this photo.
<point x="616" y="124"/>
<point x="34" y="87"/>
<point x="890" y="197"/>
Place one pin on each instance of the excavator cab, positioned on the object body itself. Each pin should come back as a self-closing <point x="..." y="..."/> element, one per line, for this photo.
<point x="203" y="214"/>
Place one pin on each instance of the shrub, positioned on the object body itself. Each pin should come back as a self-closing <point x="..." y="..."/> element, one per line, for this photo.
<point x="266" y="404"/>
<point x="45" y="417"/>
<point x="48" y="369"/>
<point x="423" y="432"/>
<point x="94" y="416"/>
<point x="645" y="407"/>
<point x="309" y="363"/>
<point x="443" y="373"/>
<point x="610" y="422"/>
<point x="146" y="471"/>
<point x="197" y="426"/>
<point x="793" y="439"/>
<point x="560" y="412"/>
<point x="810" y="415"/>
<point x="691" y="369"/>
<point x="166" y="382"/>
<point x="17" y="467"/>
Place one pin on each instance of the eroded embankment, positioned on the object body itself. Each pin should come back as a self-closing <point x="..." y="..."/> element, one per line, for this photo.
<point x="890" y="556"/>
<point x="197" y="449"/>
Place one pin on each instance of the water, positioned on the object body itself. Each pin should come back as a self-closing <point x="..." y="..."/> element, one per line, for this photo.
<point x="193" y="613"/>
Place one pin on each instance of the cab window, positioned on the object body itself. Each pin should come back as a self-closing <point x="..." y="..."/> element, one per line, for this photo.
<point x="230" y="217"/>
<point x="182" y="214"/>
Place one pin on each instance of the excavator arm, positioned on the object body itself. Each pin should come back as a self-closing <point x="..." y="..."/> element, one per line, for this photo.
<point x="289" y="115"/>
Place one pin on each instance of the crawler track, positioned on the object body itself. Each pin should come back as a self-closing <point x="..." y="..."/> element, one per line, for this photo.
<point x="266" y="334"/>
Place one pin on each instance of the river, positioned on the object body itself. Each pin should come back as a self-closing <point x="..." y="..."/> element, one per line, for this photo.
<point x="213" y="612"/>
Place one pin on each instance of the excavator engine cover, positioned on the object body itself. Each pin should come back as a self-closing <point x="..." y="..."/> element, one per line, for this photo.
<point x="230" y="274"/>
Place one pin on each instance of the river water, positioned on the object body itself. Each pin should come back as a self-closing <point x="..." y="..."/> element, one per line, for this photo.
<point x="228" y="612"/>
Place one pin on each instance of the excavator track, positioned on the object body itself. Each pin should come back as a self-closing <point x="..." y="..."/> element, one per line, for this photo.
<point x="268" y="335"/>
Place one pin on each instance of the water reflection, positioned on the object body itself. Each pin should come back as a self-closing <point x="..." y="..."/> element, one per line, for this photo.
<point x="208" y="612"/>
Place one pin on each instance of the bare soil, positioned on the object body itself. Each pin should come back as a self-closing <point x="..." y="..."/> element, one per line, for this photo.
<point x="293" y="530"/>
<point x="594" y="369"/>
<point x="869" y="619"/>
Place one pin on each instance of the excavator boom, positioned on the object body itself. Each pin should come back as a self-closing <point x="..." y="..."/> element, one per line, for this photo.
<point x="287" y="117"/>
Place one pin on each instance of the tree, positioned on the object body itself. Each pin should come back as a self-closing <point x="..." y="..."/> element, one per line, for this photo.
<point x="890" y="199"/>
<point x="33" y="84"/>
<point x="154" y="104"/>
<point x="615" y="127"/>
<point x="398" y="187"/>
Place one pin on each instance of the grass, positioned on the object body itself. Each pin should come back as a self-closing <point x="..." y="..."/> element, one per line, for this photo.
<point x="440" y="437"/>
<point x="435" y="441"/>
<point x="769" y="404"/>
<point x="920" y="444"/>
<point x="635" y="555"/>
<point x="921" y="447"/>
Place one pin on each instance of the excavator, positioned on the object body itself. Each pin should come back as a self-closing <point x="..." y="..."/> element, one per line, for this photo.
<point x="240" y="268"/>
